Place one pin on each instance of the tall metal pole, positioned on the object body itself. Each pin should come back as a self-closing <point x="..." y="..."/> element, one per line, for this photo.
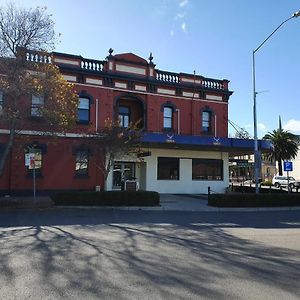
<point x="257" y="157"/>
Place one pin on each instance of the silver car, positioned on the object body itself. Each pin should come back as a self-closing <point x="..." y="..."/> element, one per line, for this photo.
<point x="284" y="181"/>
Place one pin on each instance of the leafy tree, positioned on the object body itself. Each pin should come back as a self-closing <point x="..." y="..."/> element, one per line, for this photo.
<point x="115" y="142"/>
<point x="285" y="146"/>
<point x="242" y="134"/>
<point x="24" y="77"/>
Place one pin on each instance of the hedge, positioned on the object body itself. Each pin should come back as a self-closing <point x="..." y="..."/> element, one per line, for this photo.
<point x="253" y="200"/>
<point x="251" y="189"/>
<point x="110" y="198"/>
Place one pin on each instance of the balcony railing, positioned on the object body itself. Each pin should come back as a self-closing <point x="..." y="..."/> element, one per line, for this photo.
<point x="167" y="76"/>
<point x="92" y="65"/>
<point x="33" y="56"/>
<point x="161" y="76"/>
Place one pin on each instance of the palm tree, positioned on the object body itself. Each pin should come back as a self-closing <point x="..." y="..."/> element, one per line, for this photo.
<point x="285" y="146"/>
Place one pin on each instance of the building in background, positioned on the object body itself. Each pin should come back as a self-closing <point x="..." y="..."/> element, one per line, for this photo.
<point x="184" y="118"/>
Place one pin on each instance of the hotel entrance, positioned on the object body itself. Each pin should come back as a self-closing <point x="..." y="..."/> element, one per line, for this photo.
<point x="122" y="171"/>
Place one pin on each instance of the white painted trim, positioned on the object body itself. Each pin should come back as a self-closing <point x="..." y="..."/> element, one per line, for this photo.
<point x="42" y="133"/>
<point x="191" y="95"/>
<point x="214" y="97"/>
<point x="140" y="88"/>
<point x="94" y="81"/>
<point x="190" y="80"/>
<point x="121" y="85"/>
<point x="66" y="61"/>
<point x="166" y="91"/>
<point x="70" y="78"/>
<point x="128" y="69"/>
<point x="146" y="93"/>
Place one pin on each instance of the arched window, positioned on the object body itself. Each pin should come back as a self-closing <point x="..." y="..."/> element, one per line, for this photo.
<point x="206" y="121"/>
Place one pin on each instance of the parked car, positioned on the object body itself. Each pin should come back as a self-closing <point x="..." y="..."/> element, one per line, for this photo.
<point x="284" y="181"/>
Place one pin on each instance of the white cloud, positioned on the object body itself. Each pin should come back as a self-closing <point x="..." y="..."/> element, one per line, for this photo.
<point x="172" y="32"/>
<point x="262" y="127"/>
<point x="183" y="27"/>
<point x="179" y="16"/>
<point x="183" y="3"/>
<point x="292" y="125"/>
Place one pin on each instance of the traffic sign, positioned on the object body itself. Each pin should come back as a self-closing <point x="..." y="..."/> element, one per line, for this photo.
<point x="288" y="166"/>
<point x="29" y="160"/>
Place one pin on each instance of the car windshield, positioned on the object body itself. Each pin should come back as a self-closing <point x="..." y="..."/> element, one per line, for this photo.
<point x="291" y="178"/>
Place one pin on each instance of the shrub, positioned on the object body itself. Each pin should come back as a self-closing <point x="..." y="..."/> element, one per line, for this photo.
<point x="251" y="189"/>
<point x="111" y="198"/>
<point x="253" y="200"/>
<point x="266" y="183"/>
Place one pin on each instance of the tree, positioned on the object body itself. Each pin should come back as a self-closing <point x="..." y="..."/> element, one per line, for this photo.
<point x="242" y="133"/>
<point x="285" y="146"/>
<point x="115" y="142"/>
<point x="54" y="102"/>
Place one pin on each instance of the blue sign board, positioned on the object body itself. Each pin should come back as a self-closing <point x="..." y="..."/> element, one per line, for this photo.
<point x="288" y="166"/>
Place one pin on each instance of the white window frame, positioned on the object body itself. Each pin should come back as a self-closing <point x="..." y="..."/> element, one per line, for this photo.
<point x="37" y="104"/>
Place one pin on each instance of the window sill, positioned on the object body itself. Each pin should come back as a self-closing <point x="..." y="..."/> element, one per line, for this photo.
<point x="37" y="175"/>
<point x="36" y="118"/>
<point x="83" y="122"/>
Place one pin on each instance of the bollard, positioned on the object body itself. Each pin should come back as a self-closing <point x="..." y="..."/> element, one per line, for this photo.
<point x="208" y="191"/>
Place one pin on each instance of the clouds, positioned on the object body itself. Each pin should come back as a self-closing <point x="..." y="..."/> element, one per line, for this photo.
<point x="183" y="3"/>
<point x="292" y="126"/>
<point x="262" y="127"/>
<point x="180" y="17"/>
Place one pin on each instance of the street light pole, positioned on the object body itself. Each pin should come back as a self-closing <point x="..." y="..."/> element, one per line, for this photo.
<point x="257" y="156"/>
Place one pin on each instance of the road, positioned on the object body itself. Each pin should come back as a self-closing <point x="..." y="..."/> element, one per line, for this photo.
<point x="118" y="254"/>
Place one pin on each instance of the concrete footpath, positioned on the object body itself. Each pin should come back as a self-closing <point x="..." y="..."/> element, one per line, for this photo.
<point x="168" y="202"/>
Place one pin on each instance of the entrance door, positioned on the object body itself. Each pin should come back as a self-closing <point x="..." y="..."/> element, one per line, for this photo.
<point x="122" y="171"/>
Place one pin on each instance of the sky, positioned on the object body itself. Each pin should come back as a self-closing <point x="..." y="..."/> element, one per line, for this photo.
<point x="215" y="38"/>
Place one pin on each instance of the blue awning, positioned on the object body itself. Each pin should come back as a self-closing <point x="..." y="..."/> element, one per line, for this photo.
<point x="232" y="145"/>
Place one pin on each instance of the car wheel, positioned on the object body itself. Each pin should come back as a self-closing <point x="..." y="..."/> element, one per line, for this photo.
<point x="292" y="185"/>
<point x="277" y="184"/>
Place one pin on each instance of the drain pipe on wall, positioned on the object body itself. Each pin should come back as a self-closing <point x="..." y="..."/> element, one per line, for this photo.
<point x="97" y="104"/>
<point x="178" y="120"/>
<point x="215" y="125"/>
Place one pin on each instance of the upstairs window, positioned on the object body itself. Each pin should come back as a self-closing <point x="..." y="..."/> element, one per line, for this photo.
<point x="168" y="117"/>
<point x="1" y="102"/>
<point x="82" y="161"/>
<point x="206" y="121"/>
<point x="124" y="116"/>
<point x="37" y="105"/>
<point x="83" y="113"/>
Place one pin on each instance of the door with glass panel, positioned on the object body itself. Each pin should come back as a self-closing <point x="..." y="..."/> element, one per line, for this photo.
<point x="122" y="171"/>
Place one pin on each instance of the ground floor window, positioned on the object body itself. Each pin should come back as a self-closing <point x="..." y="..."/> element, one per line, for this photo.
<point x="168" y="168"/>
<point x="207" y="169"/>
<point x="82" y="161"/>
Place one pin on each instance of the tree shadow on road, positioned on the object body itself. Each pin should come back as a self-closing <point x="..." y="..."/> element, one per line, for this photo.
<point x="161" y="257"/>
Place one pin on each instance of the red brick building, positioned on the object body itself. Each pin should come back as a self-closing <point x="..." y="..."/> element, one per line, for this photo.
<point x="184" y="118"/>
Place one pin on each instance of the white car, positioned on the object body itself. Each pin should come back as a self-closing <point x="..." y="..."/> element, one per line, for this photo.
<point x="284" y="181"/>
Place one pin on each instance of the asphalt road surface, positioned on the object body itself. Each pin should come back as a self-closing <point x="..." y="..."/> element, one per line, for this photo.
<point x="118" y="254"/>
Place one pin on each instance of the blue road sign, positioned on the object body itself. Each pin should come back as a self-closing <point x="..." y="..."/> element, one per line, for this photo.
<point x="288" y="166"/>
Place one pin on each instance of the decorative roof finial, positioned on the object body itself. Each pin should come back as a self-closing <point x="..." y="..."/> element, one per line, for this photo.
<point x="151" y="58"/>
<point x="110" y="51"/>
